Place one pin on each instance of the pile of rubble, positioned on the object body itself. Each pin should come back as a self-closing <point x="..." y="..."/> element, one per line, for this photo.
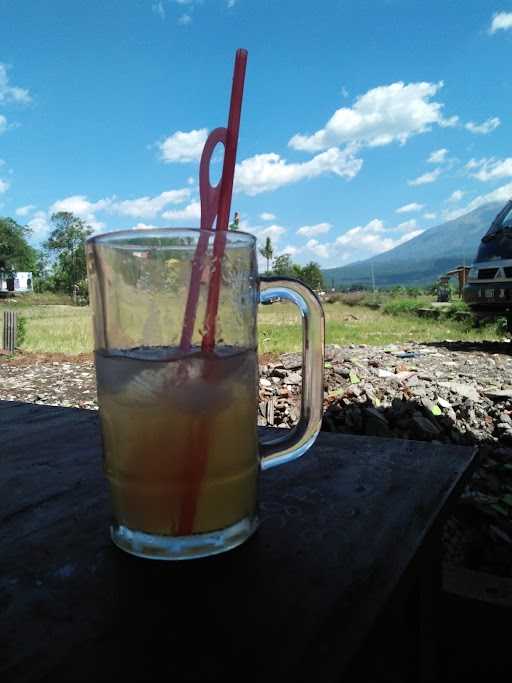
<point x="450" y="392"/>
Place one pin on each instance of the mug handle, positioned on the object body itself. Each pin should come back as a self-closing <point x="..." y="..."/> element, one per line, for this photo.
<point x="296" y="442"/>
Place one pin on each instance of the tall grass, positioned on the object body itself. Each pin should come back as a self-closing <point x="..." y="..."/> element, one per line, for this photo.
<point x="68" y="329"/>
<point x="57" y="329"/>
<point x="402" y="306"/>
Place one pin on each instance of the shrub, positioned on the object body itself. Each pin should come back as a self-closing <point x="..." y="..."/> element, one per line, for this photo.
<point x="352" y="298"/>
<point x="402" y="307"/>
<point x="21" y="329"/>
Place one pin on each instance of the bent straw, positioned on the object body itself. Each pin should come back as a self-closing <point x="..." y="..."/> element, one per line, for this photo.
<point x="226" y="191"/>
<point x="209" y="207"/>
<point x="214" y="201"/>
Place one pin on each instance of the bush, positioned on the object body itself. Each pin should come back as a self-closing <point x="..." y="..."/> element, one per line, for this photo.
<point x="21" y="329"/>
<point x="403" y="307"/>
<point x="352" y="298"/>
<point x="456" y="308"/>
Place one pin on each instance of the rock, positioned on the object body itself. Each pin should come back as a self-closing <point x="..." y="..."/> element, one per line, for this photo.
<point x="330" y="351"/>
<point x="466" y="390"/>
<point x="430" y="406"/>
<point x="265" y="382"/>
<point x="342" y="371"/>
<point x="443" y="402"/>
<point x="278" y="372"/>
<point x="385" y="374"/>
<point x="375" y="424"/>
<point x="291" y="361"/>
<point x="498" y="394"/>
<point x="424" y="429"/>
<point x="293" y="378"/>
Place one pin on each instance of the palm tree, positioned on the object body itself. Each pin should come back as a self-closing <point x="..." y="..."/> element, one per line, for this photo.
<point x="267" y="252"/>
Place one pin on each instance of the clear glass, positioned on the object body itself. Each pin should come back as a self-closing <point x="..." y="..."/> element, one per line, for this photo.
<point x="180" y="443"/>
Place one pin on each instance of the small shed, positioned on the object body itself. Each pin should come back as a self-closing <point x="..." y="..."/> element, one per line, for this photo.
<point x="15" y="282"/>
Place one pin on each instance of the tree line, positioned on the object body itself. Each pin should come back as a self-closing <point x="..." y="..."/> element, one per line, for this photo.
<point x="59" y="265"/>
<point x="283" y="265"/>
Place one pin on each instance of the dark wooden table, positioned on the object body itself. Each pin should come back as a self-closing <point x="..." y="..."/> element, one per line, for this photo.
<point x="346" y="529"/>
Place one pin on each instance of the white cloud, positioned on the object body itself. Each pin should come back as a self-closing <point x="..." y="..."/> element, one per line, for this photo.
<point x="407" y="208"/>
<point x="361" y="234"/>
<point x="83" y="208"/>
<point x="266" y="216"/>
<point x="11" y="93"/>
<point x="2" y="162"/>
<point x="191" y="212"/>
<point x="4" y="186"/>
<point x="149" y="207"/>
<point x="3" y="124"/>
<point x="408" y="226"/>
<point x="267" y="172"/>
<point x="438" y="156"/>
<point x="426" y="178"/>
<point x="317" y="248"/>
<point x="25" y="210"/>
<point x="144" y="226"/>
<point x="490" y="169"/>
<point x="183" y="146"/>
<point x="455" y="196"/>
<point x="382" y="115"/>
<point x="483" y="128"/>
<point x="290" y="249"/>
<point x="452" y="214"/>
<point x="158" y="8"/>
<point x="39" y="225"/>
<point x="430" y="216"/>
<point x="501" y="20"/>
<point x="313" y="230"/>
<point x="501" y="194"/>
<point x="374" y="238"/>
<point x="184" y="19"/>
<point x="140" y="207"/>
<point x="272" y="231"/>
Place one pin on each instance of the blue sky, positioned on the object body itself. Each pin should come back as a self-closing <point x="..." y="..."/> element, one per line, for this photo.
<point x="364" y="121"/>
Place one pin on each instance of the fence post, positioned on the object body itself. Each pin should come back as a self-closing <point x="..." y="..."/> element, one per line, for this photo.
<point x="9" y="331"/>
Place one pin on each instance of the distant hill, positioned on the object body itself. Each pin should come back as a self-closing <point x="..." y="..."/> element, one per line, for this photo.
<point x="424" y="258"/>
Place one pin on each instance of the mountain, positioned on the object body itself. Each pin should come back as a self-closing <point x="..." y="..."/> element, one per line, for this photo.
<point x="424" y="258"/>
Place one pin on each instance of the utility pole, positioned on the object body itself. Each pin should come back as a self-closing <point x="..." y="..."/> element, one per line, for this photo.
<point x="373" y="277"/>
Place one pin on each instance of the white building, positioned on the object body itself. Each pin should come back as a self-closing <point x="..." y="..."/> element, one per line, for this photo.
<point x="18" y="282"/>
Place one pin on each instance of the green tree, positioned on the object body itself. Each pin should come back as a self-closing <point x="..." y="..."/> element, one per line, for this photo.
<point x="283" y="266"/>
<point x="235" y="225"/>
<point x="267" y="252"/>
<point x="15" y="252"/>
<point x="66" y="244"/>
<point x="311" y="275"/>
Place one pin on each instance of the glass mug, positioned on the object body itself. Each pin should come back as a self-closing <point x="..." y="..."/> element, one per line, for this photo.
<point x="179" y="426"/>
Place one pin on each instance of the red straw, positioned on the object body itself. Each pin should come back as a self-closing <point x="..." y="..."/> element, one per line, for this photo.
<point x="215" y="201"/>
<point x="226" y="191"/>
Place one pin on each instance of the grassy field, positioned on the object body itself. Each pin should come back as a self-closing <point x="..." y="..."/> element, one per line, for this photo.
<point x="62" y="328"/>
